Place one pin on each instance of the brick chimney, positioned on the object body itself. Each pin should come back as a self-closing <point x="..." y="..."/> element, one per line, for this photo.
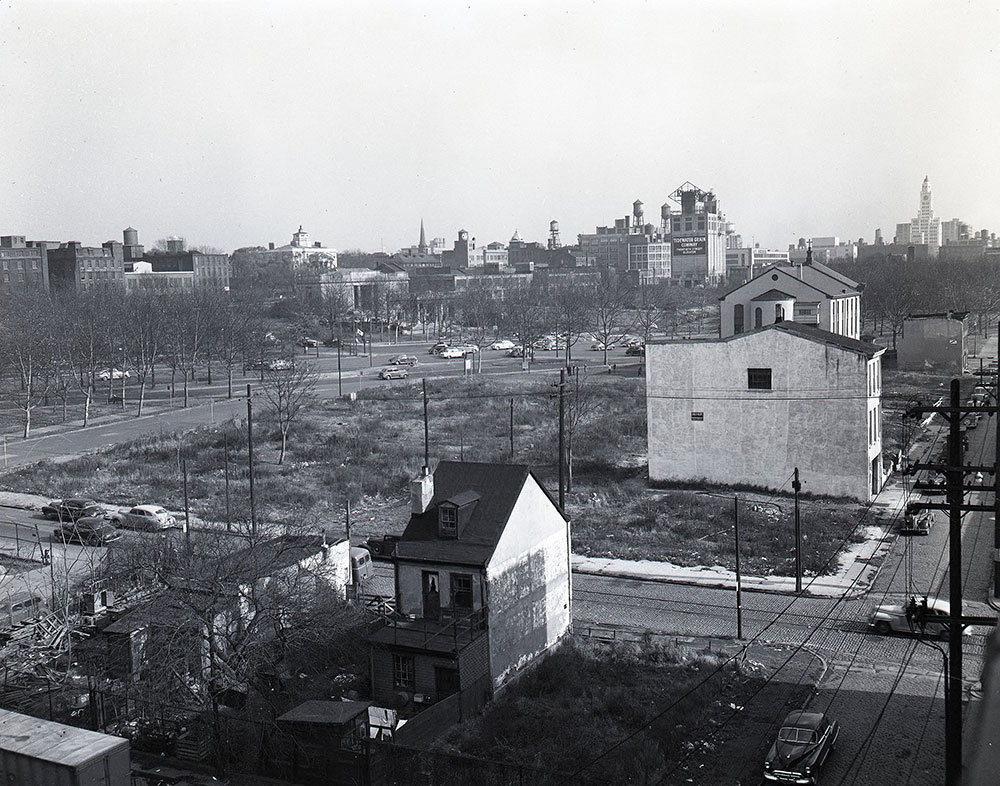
<point x="421" y="492"/>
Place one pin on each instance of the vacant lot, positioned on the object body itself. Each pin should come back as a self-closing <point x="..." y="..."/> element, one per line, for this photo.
<point x="365" y="452"/>
<point x="624" y="713"/>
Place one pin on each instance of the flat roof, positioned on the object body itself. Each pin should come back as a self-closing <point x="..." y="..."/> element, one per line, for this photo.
<point x="54" y="742"/>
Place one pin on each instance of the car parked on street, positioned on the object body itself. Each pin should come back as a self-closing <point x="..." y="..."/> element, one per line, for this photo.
<point x="69" y="509"/>
<point x="91" y="532"/>
<point x="394" y="372"/>
<point x="503" y="345"/>
<point x="915" y="522"/>
<point x="148" y="518"/>
<point x="403" y="360"/>
<point x="805" y="740"/>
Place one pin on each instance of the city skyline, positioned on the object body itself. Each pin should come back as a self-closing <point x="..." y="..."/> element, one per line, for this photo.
<point x="357" y="121"/>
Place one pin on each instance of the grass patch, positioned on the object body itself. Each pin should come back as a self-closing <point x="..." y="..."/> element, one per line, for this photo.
<point x="584" y="696"/>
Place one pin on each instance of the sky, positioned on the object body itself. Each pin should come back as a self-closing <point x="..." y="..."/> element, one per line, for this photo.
<point x="232" y="123"/>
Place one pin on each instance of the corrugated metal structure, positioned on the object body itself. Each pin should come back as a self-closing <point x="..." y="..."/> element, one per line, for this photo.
<point x="35" y="751"/>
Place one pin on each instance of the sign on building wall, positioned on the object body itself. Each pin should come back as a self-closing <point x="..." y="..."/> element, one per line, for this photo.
<point x="689" y="246"/>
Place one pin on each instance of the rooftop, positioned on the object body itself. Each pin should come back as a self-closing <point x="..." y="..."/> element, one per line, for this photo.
<point x="54" y="742"/>
<point x="325" y="712"/>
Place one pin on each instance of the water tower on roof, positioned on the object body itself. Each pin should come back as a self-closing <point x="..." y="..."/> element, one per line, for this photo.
<point x="554" y="241"/>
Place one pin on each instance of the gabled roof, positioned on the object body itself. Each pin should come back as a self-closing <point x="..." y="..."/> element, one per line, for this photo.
<point x="820" y="279"/>
<point x="774" y="294"/>
<point x="813" y="333"/>
<point x="808" y="332"/>
<point x="498" y="487"/>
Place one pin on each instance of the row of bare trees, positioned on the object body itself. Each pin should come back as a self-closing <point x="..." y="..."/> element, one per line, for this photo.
<point x="69" y="345"/>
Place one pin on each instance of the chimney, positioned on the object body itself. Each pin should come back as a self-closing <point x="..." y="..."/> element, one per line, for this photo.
<point x="421" y="492"/>
<point x="270" y="246"/>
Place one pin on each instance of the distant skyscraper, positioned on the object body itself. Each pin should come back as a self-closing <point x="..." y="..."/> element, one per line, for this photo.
<point x="926" y="228"/>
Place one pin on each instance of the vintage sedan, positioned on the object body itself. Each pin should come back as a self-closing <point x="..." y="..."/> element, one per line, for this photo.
<point x="403" y="360"/>
<point x="892" y="618"/>
<point x="88" y="532"/>
<point x="67" y="509"/>
<point x="804" y="742"/>
<point x="150" y="518"/>
<point x="396" y="372"/>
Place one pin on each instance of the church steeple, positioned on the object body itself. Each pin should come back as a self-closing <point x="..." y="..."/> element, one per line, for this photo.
<point x="422" y="246"/>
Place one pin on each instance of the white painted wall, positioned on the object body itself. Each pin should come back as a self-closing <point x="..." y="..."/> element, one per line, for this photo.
<point x="816" y="416"/>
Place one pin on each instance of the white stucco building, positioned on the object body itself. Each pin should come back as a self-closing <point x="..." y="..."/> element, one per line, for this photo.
<point x="751" y="407"/>
<point x="808" y="293"/>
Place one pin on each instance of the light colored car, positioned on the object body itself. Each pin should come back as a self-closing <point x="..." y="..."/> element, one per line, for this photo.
<point x="113" y="373"/>
<point x="892" y="618"/>
<point x="308" y="343"/>
<point x="403" y="360"/>
<point x="143" y="517"/>
<point x="469" y="349"/>
<point x="504" y="345"/>
<point x="395" y="372"/>
<point x="452" y="352"/>
<point x="599" y="346"/>
<point x="280" y="365"/>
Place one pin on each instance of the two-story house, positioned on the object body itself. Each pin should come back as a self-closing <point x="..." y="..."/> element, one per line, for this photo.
<point x="482" y="586"/>
<point x="750" y="408"/>
<point x="808" y="293"/>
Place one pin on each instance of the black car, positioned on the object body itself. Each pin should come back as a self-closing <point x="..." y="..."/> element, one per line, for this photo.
<point x="71" y="509"/>
<point x="636" y="351"/>
<point x="51" y="511"/>
<point x="804" y="742"/>
<point x="87" y="533"/>
<point x="331" y="342"/>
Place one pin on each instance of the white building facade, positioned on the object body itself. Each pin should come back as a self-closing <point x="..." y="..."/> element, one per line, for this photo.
<point x="750" y="408"/>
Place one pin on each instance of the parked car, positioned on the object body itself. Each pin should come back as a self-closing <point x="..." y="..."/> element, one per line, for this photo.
<point x="503" y="345"/>
<point x="393" y="372"/>
<point x="637" y="350"/>
<point x="452" y="352"/>
<point x="915" y="522"/>
<point x="51" y="510"/>
<point x="403" y="360"/>
<point x="361" y="565"/>
<point x="892" y="618"/>
<point x="87" y="533"/>
<point x="68" y="509"/>
<point x="805" y="740"/>
<point x="518" y="352"/>
<point x="469" y="349"/>
<point x="113" y="373"/>
<point x="18" y="606"/>
<point x="600" y="346"/>
<point x="143" y="517"/>
<point x="308" y="343"/>
<point x="280" y="365"/>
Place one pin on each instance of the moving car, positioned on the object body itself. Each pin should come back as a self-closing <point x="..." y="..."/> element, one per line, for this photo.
<point x="280" y="365"/>
<point x="403" y="360"/>
<point x="67" y="509"/>
<point x="503" y="345"/>
<point x="438" y="348"/>
<point x="143" y="517"/>
<point x="452" y="352"/>
<point x="331" y="342"/>
<point x="518" y="352"/>
<point x="396" y="372"/>
<point x="892" y="618"/>
<point x="91" y="532"/>
<point x="636" y="350"/>
<point x="805" y="740"/>
<point x="915" y="522"/>
<point x="308" y="343"/>
<point x="600" y="346"/>
<point x="113" y="373"/>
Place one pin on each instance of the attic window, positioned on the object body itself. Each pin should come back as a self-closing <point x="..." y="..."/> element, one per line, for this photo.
<point x="448" y="520"/>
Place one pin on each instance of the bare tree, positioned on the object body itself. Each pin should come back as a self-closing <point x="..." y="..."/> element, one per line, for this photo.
<point x="609" y="308"/>
<point x="570" y="305"/>
<point x="288" y="391"/>
<point x="26" y="340"/>
<point x="480" y="316"/>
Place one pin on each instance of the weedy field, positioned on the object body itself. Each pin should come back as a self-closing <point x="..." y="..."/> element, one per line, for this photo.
<point x="363" y="453"/>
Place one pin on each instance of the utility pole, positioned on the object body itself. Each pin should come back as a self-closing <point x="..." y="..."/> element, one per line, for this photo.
<point x="955" y="506"/>
<point x="340" y="381"/>
<point x="996" y="483"/>
<point x="229" y="515"/>
<point x="562" y="440"/>
<point x="511" y="431"/>
<point x="739" y="580"/>
<point x="187" y="512"/>
<point x="427" y="433"/>
<point x="253" y="513"/>
<point x="797" y="487"/>
<point x="347" y="517"/>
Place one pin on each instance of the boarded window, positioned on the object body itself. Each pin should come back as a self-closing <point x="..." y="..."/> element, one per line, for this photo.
<point x="759" y="378"/>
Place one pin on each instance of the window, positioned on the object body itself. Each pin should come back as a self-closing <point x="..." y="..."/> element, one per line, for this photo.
<point x="779" y="313"/>
<point x="738" y="318"/>
<point x="403" y="672"/>
<point x="758" y="317"/>
<point x="448" y="517"/>
<point x="461" y="591"/>
<point x="758" y="379"/>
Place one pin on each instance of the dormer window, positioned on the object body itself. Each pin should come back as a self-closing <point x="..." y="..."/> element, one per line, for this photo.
<point x="448" y="520"/>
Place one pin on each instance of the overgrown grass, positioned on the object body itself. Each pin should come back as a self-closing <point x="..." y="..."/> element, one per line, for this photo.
<point x="584" y="696"/>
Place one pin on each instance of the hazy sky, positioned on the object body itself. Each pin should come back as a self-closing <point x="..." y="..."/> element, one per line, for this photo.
<point x="231" y="123"/>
